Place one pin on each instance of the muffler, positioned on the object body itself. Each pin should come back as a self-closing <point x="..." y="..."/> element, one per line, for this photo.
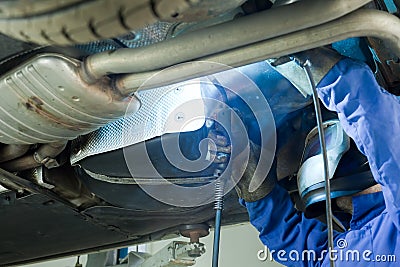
<point x="45" y="99"/>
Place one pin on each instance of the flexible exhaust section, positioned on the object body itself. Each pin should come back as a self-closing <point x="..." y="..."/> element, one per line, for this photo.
<point x="241" y="32"/>
<point x="360" y="23"/>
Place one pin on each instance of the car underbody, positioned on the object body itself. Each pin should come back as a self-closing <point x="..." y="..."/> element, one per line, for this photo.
<point x="86" y="129"/>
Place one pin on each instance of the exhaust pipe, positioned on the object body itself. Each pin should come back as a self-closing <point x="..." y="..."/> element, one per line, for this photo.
<point x="52" y="97"/>
<point x="46" y="100"/>
<point x="219" y="38"/>
<point x="360" y="23"/>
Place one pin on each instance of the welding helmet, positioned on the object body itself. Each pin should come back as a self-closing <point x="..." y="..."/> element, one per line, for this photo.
<point x="349" y="171"/>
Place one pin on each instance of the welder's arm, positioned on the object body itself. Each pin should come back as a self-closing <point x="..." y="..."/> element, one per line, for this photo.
<point x="371" y="117"/>
<point x="283" y="228"/>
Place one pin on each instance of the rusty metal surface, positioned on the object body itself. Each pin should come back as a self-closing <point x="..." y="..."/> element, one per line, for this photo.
<point x="194" y="231"/>
<point x="45" y="100"/>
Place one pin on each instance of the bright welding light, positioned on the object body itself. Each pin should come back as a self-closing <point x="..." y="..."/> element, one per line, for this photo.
<point x="189" y="115"/>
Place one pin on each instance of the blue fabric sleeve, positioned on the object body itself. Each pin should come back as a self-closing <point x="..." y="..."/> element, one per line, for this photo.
<point x="371" y="117"/>
<point x="283" y="228"/>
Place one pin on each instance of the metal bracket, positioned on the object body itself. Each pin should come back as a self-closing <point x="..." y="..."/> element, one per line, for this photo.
<point x="38" y="178"/>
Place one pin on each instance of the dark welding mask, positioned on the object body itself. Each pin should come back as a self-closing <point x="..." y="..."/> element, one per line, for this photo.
<point x="349" y="171"/>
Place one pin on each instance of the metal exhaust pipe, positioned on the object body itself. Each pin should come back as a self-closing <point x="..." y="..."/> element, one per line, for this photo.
<point x="360" y="23"/>
<point x="45" y="100"/>
<point x="222" y="37"/>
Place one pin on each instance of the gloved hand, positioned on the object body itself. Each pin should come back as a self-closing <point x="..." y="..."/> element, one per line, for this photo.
<point x="243" y="187"/>
<point x="322" y="60"/>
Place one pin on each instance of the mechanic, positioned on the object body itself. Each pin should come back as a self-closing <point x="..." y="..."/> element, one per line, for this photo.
<point x="370" y="116"/>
